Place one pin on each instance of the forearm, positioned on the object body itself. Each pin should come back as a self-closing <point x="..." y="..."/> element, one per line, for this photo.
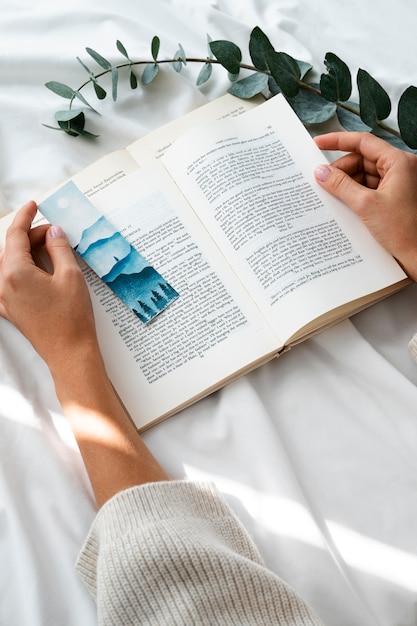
<point x="114" y="454"/>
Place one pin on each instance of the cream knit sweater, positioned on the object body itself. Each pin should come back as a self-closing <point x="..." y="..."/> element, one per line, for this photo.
<point x="174" y="553"/>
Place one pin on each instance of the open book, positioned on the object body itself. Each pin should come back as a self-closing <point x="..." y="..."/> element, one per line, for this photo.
<point x="223" y="203"/>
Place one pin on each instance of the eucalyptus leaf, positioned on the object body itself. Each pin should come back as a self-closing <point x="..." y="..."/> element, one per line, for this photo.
<point x="181" y="54"/>
<point x="407" y="118"/>
<point x="155" y="45"/>
<point x="78" y="95"/>
<point x="132" y="78"/>
<point x="276" y="71"/>
<point x="56" y="128"/>
<point x="60" y="89"/>
<point x="104" y="63"/>
<point x="259" y="44"/>
<point x="100" y="92"/>
<point x="209" y="52"/>
<point x="285" y="71"/>
<point x="122" y="49"/>
<point x="249" y="86"/>
<point x="73" y="126"/>
<point x="228" y="54"/>
<point x="305" y="68"/>
<point x="374" y="101"/>
<point x="87" y="69"/>
<point x="311" y="108"/>
<point x="177" y="65"/>
<point x="336" y="86"/>
<point x="393" y="140"/>
<point x="204" y="74"/>
<point x="87" y="134"/>
<point x="273" y="87"/>
<point x="66" y="116"/>
<point x="114" y="82"/>
<point x="149" y="73"/>
<point x="350" y="120"/>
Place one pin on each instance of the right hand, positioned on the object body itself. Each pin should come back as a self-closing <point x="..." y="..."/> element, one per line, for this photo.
<point x="379" y="183"/>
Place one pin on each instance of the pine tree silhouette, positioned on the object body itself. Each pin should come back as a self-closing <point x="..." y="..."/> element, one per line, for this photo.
<point x="142" y="317"/>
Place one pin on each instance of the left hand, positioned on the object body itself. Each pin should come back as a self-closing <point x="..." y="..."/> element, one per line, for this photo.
<point x="54" y="310"/>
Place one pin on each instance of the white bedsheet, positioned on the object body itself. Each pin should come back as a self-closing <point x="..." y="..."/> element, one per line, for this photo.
<point x="315" y="451"/>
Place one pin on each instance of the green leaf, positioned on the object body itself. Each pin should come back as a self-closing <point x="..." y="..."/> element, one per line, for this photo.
<point x="285" y="71"/>
<point x="407" y="117"/>
<point x="66" y="116"/>
<point x="60" y="89"/>
<point x="273" y="87"/>
<point x="155" y="45"/>
<point x="122" y="49"/>
<point x="204" y="74"/>
<point x="78" y="95"/>
<point x="209" y="52"/>
<point x="312" y="108"/>
<point x="350" y="120"/>
<point x="374" y="101"/>
<point x="73" y="126"/>
<point x="337" y="84"/>
<point x="179" y="59"/>
<point x="181" y="54"/>
<point x="395" y="141"/>
<point x="304" y="68"/>
<point x="104" y="63"/>
<point x="132" y="79"/>
<point x="149" y="73"/>
<point x="100" y="92"/>
<point x="114" y="82"/>
<point x="249" y="86"/>
<point x="87" y="69"/>
<point x="259" y="44"/>
<point x="228" y="55"/>
<point x="177" y="65"/>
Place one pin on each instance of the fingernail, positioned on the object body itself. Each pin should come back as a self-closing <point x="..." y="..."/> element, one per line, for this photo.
<point x="322" y="172"/>
<point x="56" y="231"/>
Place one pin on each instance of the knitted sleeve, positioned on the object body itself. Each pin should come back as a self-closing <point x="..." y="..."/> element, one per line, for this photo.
<point x="174" y="553"/>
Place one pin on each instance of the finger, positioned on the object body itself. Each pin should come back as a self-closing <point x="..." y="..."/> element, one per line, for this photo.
<point x="24" y="217"/>
<point x="17" y="244"/>
<point x="360" y="169"/>
<point x="59" y="249"/>
<point x="370" y="146"/>
<point x="341" y="185"/>
<point x="37" y="235"/>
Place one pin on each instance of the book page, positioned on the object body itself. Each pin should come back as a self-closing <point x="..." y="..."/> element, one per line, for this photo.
<point x="201" y="340"/>
<point x="299" y="252"/>
<point x="144" y="151"/>
<point x="154" y="145"/>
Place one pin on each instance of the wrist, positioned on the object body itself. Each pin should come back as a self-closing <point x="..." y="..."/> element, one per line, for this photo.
<point x="75" y="370"/>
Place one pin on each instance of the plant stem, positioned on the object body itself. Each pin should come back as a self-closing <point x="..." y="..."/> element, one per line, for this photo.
<point x="245" y="66"/>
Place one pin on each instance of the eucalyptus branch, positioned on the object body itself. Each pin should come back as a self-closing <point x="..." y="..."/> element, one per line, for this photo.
<point x="271" y="72"/>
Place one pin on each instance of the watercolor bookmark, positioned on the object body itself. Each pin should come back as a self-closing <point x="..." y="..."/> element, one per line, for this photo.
<point x="124" y="270"/>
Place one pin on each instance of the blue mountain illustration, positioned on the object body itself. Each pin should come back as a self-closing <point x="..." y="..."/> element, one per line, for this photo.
<point x="130" y="264"/>
<point x="140" y="291"/>
<point x="102" y="248"/>
<point x="125" y="270"/>
<point x="101" y="229"/>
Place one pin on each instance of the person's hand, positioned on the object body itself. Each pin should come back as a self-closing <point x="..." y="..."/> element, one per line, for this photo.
<point x="379" y="183"/>
<point x="52" y="310"/>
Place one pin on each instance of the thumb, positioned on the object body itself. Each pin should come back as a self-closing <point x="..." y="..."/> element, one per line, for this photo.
<point x="338" y="184"/>
<point x="58" y="247"/>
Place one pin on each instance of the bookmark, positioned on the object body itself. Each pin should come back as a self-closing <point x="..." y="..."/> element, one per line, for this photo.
<point x="124" y="270"/>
